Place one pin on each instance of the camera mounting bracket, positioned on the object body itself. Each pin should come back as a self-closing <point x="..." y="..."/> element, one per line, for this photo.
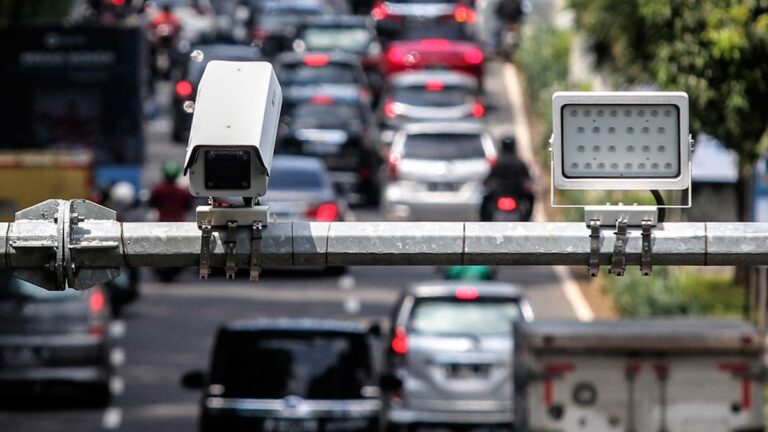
<point x="255" y="218"/>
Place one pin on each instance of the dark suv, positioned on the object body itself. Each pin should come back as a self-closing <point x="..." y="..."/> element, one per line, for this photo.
<point x="289" y="375"/>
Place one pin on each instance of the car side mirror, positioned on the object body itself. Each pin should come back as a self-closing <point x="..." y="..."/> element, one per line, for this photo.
<point x="193" y="380"/>
<point x="390" y="383"/>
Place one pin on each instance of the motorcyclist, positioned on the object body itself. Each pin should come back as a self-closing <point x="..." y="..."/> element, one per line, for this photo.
<point x="166" y="17"/>
<point x="171" y="201"/>
<point x="509" y="14"/>
<point x="508" y="177"/>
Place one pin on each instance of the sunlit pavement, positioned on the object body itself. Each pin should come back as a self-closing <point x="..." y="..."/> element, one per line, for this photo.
<point x="170" y="329"/>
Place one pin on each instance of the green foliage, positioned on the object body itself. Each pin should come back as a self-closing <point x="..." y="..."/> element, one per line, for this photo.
<point x="15" y="11"/>
<point x="673" y="292"/>
<point x="543" y="58"/>
<point x="715" y="50"/>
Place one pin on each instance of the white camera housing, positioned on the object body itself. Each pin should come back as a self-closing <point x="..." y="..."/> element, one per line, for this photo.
<point x="234" y="127"/>
<point x="621" y="141"/>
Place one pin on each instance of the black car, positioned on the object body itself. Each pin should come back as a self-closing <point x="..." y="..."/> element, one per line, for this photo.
<point x="343" y="33"/>
<point x="334" y="71"/>
<point x="292" y="375"/>
<point x="53" y="344"/>
<point x="342" y="132"/>
<point x="274" y="22"/>
<point x="186" y="88"/>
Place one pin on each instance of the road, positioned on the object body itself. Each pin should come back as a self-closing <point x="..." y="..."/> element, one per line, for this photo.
<point x="170" y="329"/>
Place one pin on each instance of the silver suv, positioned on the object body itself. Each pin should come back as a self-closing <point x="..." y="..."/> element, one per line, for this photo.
<point x="449" y="360"/>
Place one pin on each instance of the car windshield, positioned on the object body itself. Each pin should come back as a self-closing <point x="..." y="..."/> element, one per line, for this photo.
<point x="331" y="74"/>
<point x="340" y="116"/>
<point x="449" y="316"/>
<point x="421" y="96"/>
<point x="12" y="288"/>
<point x="341" y="38"/>
<point x="443" y="146"/>
<point x="275" y="365"/>
<point x="294" y="178"/>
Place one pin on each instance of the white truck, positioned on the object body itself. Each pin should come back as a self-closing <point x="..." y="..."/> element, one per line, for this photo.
<point x="670" y="375"/>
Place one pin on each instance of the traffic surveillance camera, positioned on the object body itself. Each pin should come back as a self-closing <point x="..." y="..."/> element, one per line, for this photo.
<point x="234" y="127"/>
<point x="621" y="141"/>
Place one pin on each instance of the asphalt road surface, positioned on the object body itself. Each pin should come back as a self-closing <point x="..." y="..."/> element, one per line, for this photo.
<point x="169" y="330"/>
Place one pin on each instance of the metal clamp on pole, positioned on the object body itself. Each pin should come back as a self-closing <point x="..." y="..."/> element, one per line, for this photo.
<point x="205" y="249"/>
<point x="254" y="218"/>
<point x="645" y="259"/>
<point x="619" y="259"/>
<point x="594" y="247"/>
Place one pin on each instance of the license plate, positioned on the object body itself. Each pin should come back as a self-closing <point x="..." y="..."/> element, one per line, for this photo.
<point x="20" y="356"/>
<point x="290" y="425"/>
<point x="442" y="187"/>
<point x="466" y="371"/>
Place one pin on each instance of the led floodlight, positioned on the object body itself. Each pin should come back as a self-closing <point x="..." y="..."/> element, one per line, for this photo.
<point x="621" y="141"/>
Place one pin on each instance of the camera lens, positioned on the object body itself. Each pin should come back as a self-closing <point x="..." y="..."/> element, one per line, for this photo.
<point x="227" y="169"/>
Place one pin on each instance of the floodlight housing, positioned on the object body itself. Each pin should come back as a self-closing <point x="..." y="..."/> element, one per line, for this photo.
<point x="621" y="141"/>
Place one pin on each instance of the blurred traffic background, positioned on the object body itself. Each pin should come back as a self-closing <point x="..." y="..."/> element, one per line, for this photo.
<point x="401" y="110"/>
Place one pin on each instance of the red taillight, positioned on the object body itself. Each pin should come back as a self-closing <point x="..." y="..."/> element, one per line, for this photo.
<point x="96" y="301"/>
<point x="478" y="109"/>
<point x="379" y="12"/>
<point x="491" y="161"/>
<point x="118" y="2"/>
<point x="389" y="109"/>
<point x="316" y="60"/>
<point x="467" y="293"/>
<point x="184" y="89"/>
<point x="434" y="85"/>
<point x="259" y="34"/>
<point x="399" y="342"/>
<point x="506" y="204"/>
<point x="321" y="100"/>
<point x="326" y="212"/>
<point x="396" y="55"/>
<point x="464" y="14"/>
<point x="392" y="162"/>
<point x="473" y="56"/>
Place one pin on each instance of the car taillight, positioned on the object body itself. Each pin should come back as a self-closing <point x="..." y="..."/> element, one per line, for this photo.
<point x="389" y="108"/>
<point x="379" y="12"/>
<point x="118" y="2"/>
<point x="399" y="342"/>
<point x="464" y="14"/>
<point x="506" y="204"/>
<point x="392" y="162"/>
<point x="396" y="55"/>
<point x="316" y="60"/>
<point x="326" y="212"/>
<point x="184" y="89"/>
<point x="473" y="56"/>
<point x="466" y="293"/>
<point x="478" y="110"/>
<point x="259" y="34"/>
<point x="491" y="161"/>
<point x="96" y="301"/>
<point x="321" y="100"/>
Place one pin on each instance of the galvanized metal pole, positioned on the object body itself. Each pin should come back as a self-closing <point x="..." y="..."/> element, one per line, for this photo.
<point x="82" y="244"/>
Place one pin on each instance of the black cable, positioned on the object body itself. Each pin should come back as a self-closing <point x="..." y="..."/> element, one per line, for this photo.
<point x="660" y="203"/>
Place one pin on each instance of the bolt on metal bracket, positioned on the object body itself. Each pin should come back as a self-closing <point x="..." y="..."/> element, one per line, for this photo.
<point x="205" y="250"/>
<point x="646" y="266"/>
<point x="256" y="235"/>
<point x="594" y="247"/>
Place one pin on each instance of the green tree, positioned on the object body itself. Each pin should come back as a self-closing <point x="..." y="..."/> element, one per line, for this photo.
<point x="715" y="50"/>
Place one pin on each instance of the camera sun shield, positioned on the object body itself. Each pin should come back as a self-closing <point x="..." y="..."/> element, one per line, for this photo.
<point x="234" y="127"/>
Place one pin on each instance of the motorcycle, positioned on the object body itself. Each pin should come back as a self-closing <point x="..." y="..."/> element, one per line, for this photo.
<point x="163" y="40"/>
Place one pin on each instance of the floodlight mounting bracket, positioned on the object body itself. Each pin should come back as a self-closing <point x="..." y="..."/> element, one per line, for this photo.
<point x="622" y="218"/>
<point x="255" y="218"/>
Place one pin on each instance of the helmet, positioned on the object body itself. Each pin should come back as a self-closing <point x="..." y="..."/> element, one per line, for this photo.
<point x="122" y="195"/>
<point x="171" y="170"/>
<point x="509" y="144"/>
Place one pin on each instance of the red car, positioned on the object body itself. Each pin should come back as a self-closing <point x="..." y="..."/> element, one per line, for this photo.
<point x="441" y="48"/>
